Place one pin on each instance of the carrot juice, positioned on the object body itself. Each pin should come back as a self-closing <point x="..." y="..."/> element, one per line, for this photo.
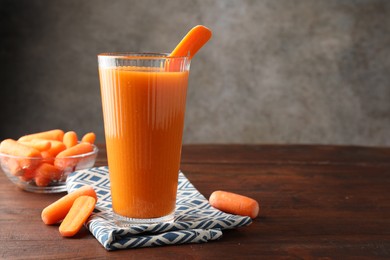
<point x="143" y="109"/>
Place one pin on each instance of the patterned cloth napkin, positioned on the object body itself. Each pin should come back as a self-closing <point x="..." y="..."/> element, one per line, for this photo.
<point x="195" y="220"/>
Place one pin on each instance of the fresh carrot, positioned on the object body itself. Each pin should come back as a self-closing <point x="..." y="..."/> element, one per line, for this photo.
<point x="56" y="147"/>
<point x="29" y="156"/>
<point x="89" y="138"/>
<point x="55" y="134"/>
<point x="46" y="173"/>
<point x="234" y="203"/>
<point x="39" y="144"/>
<point x="12" y="147"/>
<point x="78" y="149"/>
<point x="47" y="157"/>
<point x="28" y="175"/>
<point x="57" y="211"/>
<point x="192" y="42"/>
<point x="70" y="139"/>
<point x="77" y="215"/>
<point x="41" y="181"/>
<point x="64" y="160"/>
<point x="12" y="165"/>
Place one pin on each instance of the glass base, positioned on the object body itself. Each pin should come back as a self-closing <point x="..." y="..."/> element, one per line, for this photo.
<point x="127" y="222"/>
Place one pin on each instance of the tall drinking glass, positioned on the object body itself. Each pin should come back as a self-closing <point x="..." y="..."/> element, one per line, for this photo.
<point x="143" y="100"/>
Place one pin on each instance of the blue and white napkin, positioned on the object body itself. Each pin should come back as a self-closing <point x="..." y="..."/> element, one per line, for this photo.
<point x="195" y="220"/>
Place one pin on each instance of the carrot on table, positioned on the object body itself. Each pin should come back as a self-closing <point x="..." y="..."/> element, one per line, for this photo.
<point x="39" y="144"/>
<point x="77" y="215"/>
<point x="70" y="139"/>
<point x="55" y="134"/>
<point x="57" y="211"/>
<point x="89" y="138"/>
<point x="234" y="203"/>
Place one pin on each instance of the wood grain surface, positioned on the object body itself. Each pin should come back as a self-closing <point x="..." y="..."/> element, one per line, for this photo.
<point x="328" y="202"/>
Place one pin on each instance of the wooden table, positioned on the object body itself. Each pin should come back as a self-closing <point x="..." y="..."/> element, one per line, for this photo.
<point x="316" y="202"/>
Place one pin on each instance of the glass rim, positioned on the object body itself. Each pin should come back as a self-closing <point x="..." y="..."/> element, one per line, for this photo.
<point x="140" y="55"/>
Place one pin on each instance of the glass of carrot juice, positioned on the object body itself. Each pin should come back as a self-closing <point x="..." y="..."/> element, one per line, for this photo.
<point x="143" y="100"/>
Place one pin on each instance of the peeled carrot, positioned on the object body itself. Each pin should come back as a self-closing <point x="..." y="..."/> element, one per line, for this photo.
<point x="16" y="165"/>
<point x="89" y="138"/>
<point x="12" y="147"/>
<point x="47" y="157"/>
<point x="56" y="147"/>
<point x="46" y="173"/>
<point x="57" y="211"/>
<point x="13" y="165"/>
<point x="76" y="150"/>
<point x="234" y="203"/>
<point x="55" y="134"/>
<point x="64" y="160"/>
<point x="192" y="42"/>
<point x="28" y="175"/>
<point x="77" y="215"/>
<point x="70" y="139"/>
<point x="39" y="144"/>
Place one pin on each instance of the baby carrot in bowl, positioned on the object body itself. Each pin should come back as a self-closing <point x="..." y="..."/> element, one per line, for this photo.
<point x="70" y="139"/>
<point x="89" y="138"/>
<point x="55" y="134"/>
<point x="234" y="203"/>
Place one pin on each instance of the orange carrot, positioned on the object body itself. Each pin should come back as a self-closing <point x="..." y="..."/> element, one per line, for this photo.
<point x="78" y="149"/>
<point x="12" y="147"/>
<point x="55" y="134"/>
<point x="77" y="215"/>
<point x="57" y="211"/>
<point x="47" y="157"/>
<point x="28" y="175"/>
<point x="56" y="147"/>
<point x="192" y="42"/>
<point x="62" y="160"/>
<point x="89" y="138"/>
<point x="39" y="144"/>
<point x="13" y="166"/>
<point x="234" y="203"/>
<point x="41" y="181"/>
<point x="70" y="139"/>
<point x="46" y="173"/>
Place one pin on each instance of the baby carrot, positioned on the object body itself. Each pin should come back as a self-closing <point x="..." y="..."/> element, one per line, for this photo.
<point x="70" y="139"/>
<point x="77" y="215"/>
<point x="56" y="147"/>
<point x="47" y="171"/>
<point x="55" y="134"/>
<point x="89" y="138"/>
<point x="12" y="147"/>
<point x="64" y="159"/>
<point x="57" y="211"/>
<point x="192" y="42"/>
<point x="234" y="203"/>
<point x="13" y="165"/>
<point x="76" y="150"/>
<point x="39" y="144"/>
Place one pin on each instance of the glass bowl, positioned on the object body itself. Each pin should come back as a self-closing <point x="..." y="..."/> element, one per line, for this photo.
<point x="44" y="175"/>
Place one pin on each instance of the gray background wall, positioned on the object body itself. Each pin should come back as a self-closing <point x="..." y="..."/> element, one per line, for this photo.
<point x="274" y="72"/>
